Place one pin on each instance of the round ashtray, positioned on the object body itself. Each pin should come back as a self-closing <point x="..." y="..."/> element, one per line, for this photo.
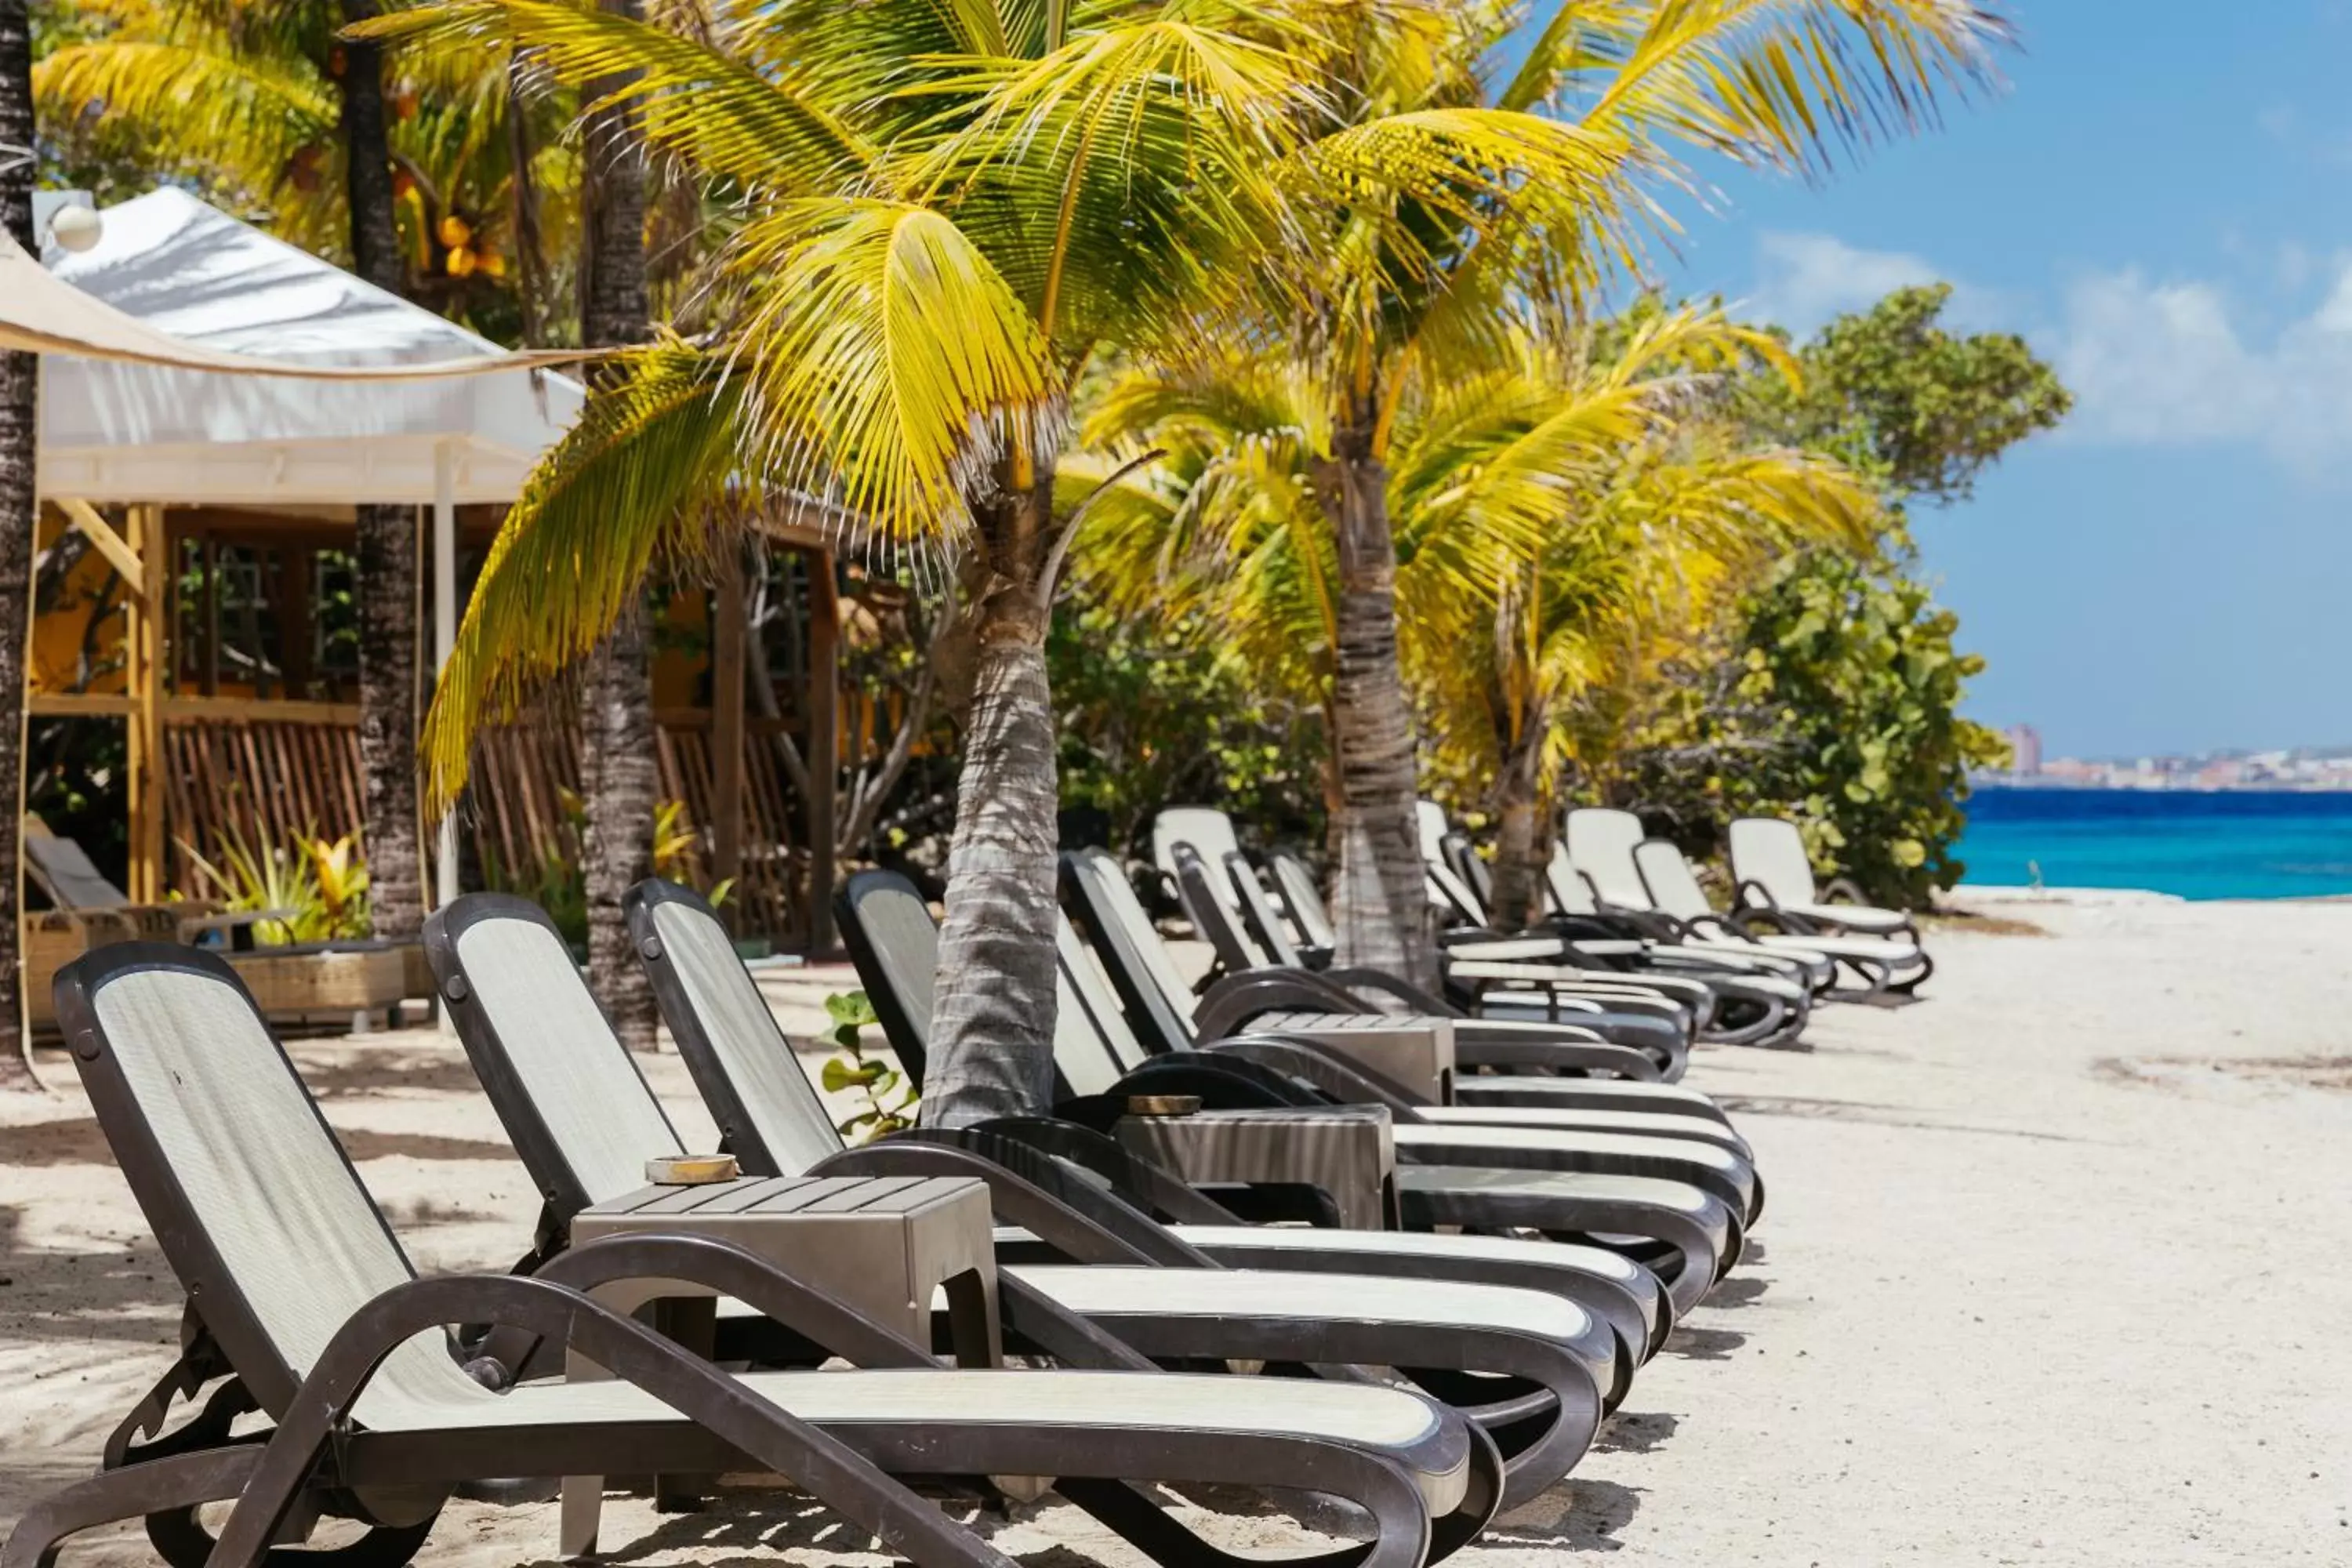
<point x="692" y="1170"/>
<point x="1162" y="1104"/>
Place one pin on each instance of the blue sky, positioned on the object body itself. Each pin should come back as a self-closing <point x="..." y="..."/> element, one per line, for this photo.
<point x="2159" y="201"/>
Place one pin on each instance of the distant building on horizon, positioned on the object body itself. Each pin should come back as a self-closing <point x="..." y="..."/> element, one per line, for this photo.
<point x="2025" y="751"/>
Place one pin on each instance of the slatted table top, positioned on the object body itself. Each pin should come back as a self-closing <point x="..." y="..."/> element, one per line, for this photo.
<point x="773" y="1197"/>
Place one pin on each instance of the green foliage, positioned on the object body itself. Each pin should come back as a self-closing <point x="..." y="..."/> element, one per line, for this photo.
<point x="1151" y="717"/>
<point x="1857" y="669"/>
<point x="319" y="886"/>
<point x="1831" y="694"/>
<point x="889" y="1100"/>
<point x="1894" y="395"/>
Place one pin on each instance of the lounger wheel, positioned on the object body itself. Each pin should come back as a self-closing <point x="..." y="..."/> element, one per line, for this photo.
<point x="181" y="1539"/>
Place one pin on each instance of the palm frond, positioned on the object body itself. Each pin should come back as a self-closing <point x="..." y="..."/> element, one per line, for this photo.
<point x="653" y="451"/>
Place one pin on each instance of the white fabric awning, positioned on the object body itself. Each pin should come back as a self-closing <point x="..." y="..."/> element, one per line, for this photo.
<point x="191" y="358"/>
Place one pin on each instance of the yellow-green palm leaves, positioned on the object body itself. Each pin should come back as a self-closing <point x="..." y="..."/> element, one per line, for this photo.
<point x="940" y="213"/>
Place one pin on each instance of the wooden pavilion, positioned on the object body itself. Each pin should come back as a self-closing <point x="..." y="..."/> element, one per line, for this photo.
<point x="193" y="580"/>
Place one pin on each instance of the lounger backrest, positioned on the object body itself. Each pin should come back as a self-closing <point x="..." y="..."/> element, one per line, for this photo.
<point x="1204" y="828"/>
<point x="895" y="943"/>
<point x="1600" y="845"/>
<point x="1429" y="817"/>
<point x="253" y="1200"/>
<point x="1265" y="927"/>
<point x="1770" y="852"/>
<point x="1090" y="1066"/>
<point x="65" y="872"/>
<point x="1462" y="858"/>
<point x="1158" y="1002"/>
<point x="568" y="1093"/>
<point x="1211" y="908"/>
<point x="1571" y="894"/>
<point x="1302" y="900"/>
<point x="1452" y="895"/>
<point x="771" y="1117"/>
<point x="1674" y="885"/>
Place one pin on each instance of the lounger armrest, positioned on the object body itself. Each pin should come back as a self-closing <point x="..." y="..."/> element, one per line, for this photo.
<point x="1415" y="998"/>
<point x="990" y="1154"/>
<point x="319" y="1413"/>
<point x="1569" y="1056"/>
<point x="1842" y="889"/>
<point x="1305" y="1059"/>
<point x="808" y="1311"/>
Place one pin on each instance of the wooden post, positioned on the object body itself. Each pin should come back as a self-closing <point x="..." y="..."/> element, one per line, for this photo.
<point x="823" y="741"/>
<point x="727" y="616"/>
<point x="149" y="538"/>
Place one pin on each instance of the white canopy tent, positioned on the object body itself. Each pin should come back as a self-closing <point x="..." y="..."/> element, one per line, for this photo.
<point x="190" y="359"/>
<point x="116" y="430"/>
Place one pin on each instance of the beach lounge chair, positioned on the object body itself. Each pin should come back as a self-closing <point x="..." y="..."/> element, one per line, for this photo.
<point x="1433" y="1194"/>
<point x="303" y="1308"/>
<point x="1600" y="1003"/>
<point x="72" y="882"/>
<point x="1747" y="999"/>
<point x="1504" y="1136"/>
<point x="1600" y="846"/>
<point x="1505" y="1063"/>
<point x="1674" y="892"/>
<point x="1611" y="1003"/>
<point x="585" y="1121"/>
<point x="1773" y="874"/>
<point x="894" y="942"/>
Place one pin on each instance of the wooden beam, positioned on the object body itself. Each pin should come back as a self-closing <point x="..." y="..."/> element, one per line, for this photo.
<point x="727" y="616"/>
<point x="120" y="553"/>
<point x="150" y="542"/>
<point x="260" y="710"/>
<point x="824" y="742"/>
<point x="80" y="704"/>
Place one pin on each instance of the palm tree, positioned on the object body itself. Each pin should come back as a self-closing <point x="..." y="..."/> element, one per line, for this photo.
<point x="19" y="441"/>
<point x="619" y="779"/>
<point x="946" y="213"/>
<point x="1545" y="508"/>
<point x="268" y="97"/>
<point x="1488" y="194"/>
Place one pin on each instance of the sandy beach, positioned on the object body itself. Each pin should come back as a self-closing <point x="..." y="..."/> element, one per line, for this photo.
<point x="2057" y="1270"/>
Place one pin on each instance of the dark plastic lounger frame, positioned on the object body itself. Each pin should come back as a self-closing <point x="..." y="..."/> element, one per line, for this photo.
<point x="317" y="1456"/>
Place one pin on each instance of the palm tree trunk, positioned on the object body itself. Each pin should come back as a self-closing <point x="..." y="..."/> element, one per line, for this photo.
<point x="19" y="438"/>
<point x="1380" y="900"/>
<point x="994" y="997"/>
<point x="389" y="604"/>
<point x="618" y="774"/>
<point x="1521" y="847"/>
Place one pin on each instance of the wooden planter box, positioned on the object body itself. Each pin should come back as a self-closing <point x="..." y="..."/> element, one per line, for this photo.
<point x="341" y="990"/>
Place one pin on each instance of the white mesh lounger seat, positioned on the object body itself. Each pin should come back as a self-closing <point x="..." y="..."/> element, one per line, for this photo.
<point x="1773" y="872"/>
<point x="1674" y="891"/>
<point x="298" y="1288"/>
<point x="585" y="1121"/>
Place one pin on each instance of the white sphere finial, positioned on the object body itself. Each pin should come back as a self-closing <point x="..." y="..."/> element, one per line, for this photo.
<point x="76" y="227"/>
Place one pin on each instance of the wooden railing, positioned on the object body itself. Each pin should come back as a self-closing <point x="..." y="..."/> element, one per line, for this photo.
<point x="238" y="770"/>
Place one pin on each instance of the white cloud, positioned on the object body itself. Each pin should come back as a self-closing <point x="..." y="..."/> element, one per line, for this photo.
<point x="1803" y="279"/>
<point x="2168" y="363"/>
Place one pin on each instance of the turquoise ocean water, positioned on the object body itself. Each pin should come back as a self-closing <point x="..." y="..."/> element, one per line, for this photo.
<point x="2198" y="843"/>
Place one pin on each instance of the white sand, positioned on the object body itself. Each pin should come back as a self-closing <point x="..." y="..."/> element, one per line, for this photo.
<point x="2058" y="1269"/>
